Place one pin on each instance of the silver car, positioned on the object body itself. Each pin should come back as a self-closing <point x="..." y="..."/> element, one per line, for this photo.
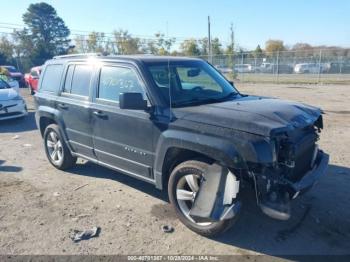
<point x="12" y="104"/>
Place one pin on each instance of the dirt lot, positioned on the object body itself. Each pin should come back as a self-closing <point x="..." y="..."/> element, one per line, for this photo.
<point x="39" y="206"/>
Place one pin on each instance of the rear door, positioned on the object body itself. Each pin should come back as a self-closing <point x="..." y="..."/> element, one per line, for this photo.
<point x="123" y="138"/>
<point x="74" y="105"/>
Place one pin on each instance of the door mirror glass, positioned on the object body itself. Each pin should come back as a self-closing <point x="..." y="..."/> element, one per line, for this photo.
<point x="132" y="101"/>
<point x="193" y="72"/>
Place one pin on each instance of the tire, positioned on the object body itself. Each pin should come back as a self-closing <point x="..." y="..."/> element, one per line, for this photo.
<point x="197" y="168"/>
<point x="53" y="142"/>
<point x="31" y="91"/>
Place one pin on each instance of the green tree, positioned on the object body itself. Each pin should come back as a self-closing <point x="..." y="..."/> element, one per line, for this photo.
<point x="96" y="42"/>
<point x="274" y="46"/>
<point x="203" y="46"/>
<point x="160" y="45"/>
<point x="46" y="31"/>
<point x="216" y="47"/>
<point x="6" y="48"/>
<point x="125" y="43"/>
<point x="258" y="52"/>
<point x="190" y="47"/>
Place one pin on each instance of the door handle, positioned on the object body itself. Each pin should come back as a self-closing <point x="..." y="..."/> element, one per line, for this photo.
<point x="63" y="106"/>
<point x="100" y="114"/>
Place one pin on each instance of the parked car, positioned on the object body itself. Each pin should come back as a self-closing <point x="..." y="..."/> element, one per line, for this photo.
<point x="336" y="68"/>
<point x="224" y="69"/>
<point x="307" y="68"/>
<point x="15" y="74"/>
<point x="32" y="79"/>
<point x="12" y="104"/>
<point x="271" y="68"/>
<point x="5" y="75"/>
<point x="180" y="125"/>
<point x="243" y="68"/>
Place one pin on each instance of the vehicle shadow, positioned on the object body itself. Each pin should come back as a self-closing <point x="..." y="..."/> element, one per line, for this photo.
<point x="9" y="169"/>
<point x="18" y="125"/>
<point x="93" y="170"/>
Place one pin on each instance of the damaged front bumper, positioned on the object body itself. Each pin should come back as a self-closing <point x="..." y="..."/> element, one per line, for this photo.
<point x="311" y="177"/>
<point x="276" y="202"/>
<point x="216" y="199"/>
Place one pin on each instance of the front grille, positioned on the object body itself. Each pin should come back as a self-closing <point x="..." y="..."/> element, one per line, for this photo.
<point x="303" y="160"/>
<point x="300" y="153"/>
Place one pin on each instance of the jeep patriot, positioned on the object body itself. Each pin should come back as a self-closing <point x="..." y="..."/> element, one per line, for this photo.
<point x="179" y="124"/>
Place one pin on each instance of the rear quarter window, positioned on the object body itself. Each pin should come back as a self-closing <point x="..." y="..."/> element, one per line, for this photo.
<point x="52" y="78"/>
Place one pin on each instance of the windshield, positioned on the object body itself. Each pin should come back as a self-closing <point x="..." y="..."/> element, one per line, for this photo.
<point x="3" y="84"/>
<point x="190" y="82"/>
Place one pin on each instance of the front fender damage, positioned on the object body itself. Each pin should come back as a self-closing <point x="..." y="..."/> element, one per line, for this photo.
<point x="216" y="199"/>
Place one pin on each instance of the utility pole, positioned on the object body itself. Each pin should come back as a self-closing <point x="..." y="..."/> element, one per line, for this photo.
<point x="232" y="38"/>
<point x="232" y="55"/>
<point x="210" y="58"/>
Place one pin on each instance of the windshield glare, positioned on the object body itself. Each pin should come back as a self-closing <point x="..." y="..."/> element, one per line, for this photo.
<point x="190" y="82"/>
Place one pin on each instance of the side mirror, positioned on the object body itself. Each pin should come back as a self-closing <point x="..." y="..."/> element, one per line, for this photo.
<point x="193" y="72"/>
<point x="132" y="101"/>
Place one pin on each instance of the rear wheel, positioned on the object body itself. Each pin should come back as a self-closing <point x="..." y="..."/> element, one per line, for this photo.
<point x="31" y="91"/>
<point x="56" y="149"/>
<point x="184" y="183"/>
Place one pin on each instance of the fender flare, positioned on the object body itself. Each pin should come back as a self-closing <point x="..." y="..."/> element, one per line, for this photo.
<point x="218" y="149"/>
<point x="55" y="115"/>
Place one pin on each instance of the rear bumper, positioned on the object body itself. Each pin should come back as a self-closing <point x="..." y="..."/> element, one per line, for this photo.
<point x="313" y="175"/>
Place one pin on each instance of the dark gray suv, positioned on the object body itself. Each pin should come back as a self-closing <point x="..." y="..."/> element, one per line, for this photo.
<point x="179" y="124"/>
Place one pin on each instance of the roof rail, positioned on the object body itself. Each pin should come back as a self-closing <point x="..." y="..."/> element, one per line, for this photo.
<point x="77" y="55"/>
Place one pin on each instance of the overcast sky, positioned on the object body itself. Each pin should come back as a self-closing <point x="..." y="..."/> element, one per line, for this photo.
<point x="318" y="22"/>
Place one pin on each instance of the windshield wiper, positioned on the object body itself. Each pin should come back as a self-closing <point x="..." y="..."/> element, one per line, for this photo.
<point x="229" y="95"/>
<point x="197" y="101"/>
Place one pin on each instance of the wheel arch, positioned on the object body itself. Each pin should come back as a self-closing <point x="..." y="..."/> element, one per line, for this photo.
<point x="176" y="147"/>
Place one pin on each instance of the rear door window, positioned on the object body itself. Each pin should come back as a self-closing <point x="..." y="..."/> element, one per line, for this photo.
<point x="52" y="78"/>
<point x="81" y="80"/>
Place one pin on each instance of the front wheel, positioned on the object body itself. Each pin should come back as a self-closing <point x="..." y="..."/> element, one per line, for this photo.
<point x="56" y="149"/>
<point x="184" y="183"/>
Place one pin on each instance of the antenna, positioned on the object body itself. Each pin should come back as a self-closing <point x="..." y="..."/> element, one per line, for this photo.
<point x="232" y="38"/>
<point x="170" y="100"/>
<point x="209" y="43"/>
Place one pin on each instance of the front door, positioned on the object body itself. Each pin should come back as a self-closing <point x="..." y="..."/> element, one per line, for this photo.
<point x="123" y="139"/>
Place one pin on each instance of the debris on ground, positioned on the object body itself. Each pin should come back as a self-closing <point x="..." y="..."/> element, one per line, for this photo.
<point x="167" y="229"/>
<point x="80" y="216"/>
<point x="15" y="137"/>
<point x="79" y="187"/>
<point x="27" y="145"/>
<point x="39" y="194"/>
<point x="77" y="235"/>
<point x="56" y="194"/>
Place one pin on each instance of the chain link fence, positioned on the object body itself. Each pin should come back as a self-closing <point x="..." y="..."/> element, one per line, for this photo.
<point x="323" y="66"/>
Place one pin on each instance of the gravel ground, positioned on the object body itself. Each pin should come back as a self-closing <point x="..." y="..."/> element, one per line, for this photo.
<point x="39" y="206"/>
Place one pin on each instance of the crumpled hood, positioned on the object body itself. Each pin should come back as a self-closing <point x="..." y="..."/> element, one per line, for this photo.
<point x="7" y="94"/>
<point x="257" y="115"/>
